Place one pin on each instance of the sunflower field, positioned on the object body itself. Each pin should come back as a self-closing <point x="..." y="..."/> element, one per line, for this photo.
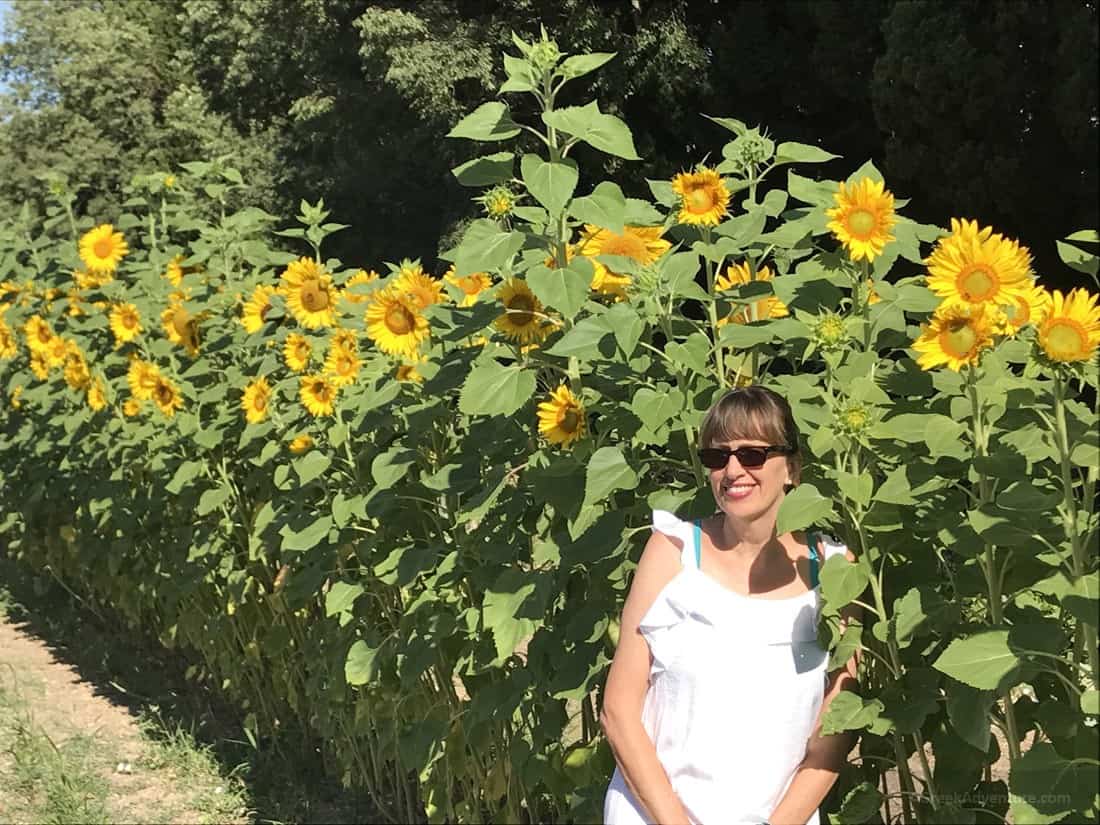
<point x="398" y="510"/>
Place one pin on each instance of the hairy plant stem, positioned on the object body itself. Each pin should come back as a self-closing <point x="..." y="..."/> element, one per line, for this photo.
<point x="988" y="562"/>
<point x="712" y="312"/>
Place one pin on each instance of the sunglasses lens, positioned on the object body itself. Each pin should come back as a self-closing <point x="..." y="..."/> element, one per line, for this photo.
<point x="751" y="456"/>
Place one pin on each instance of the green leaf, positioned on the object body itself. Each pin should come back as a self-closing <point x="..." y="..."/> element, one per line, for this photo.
<point x="981" y="660"/>
<point x="600" y="131"/>
<point x="848" y="711"/>
<point x="1082" y="599"/>
<point x="605" y="207"/>
<point x="850" y="642"/>
<point x="608" y="471"/>
<point x="968" y="710"/>
<point x="494" y="389"/>
<point x="654" y="407"/>
<point x="818" y="193"/>
<point x="551" y="183"/>
<point x="1045" y="786"/>
<point x="908" y="617"/>
<point x="1086" y="235"/>
<point x="1090" y="702"/>
<point x="484" y="247"/>
<point x="581" y="64"/>
<point x="693" y="353"/>
<point x="359" y="666"/>
<point x="307" y="538"/>
<point x="582" y="341"/>
<point x="341" y="598"/>
<point x="1022" y="495"/>
<point x="842" y="581"/>
<point x="506" y="598"/>
<point x="391" y="466"/>
<point x="487" y="170"/>
<point x="1076" y="258"/>
<point x="860" y="804"/>
<point x="791" y="152"/>
<point x="565" y="290"/>
<point x="311" y="465"/>
<point x="211" y="500"/>
<point x="489" y="121"/>
<point x="626" y="326"/>
<point x="803" y="507"/>
<point x="733" y="124"/>
<point x="185" y="473"/>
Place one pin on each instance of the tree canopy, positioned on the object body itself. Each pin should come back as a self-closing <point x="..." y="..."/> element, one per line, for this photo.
<point x="970" y="109"/>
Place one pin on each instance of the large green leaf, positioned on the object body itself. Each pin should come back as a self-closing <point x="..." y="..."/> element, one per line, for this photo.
<point x="908" y="617"/>
<point x="391" y="466"/>
<point x="485" y="247"/>
<point x="487" y="170"/>
<point x="981" y="660"/>
<point x="551" y="183"/>
<point x="848" y="711"/>
<point x="308" y="537"/>
<point x="860" y="804"/>
<point x="803" y="507"/>
<point x="211" y="500"/>
<point x="605" y="207"/>
<point x="565" y="290"/>
<point x="359" y="666"/>
<point x="583" y="340"/>
<point x="340" y="600"/>
<point x="1045" y="787"/>
<point x="608" y="471"/>
<point x="600" y="131"/>
<point x="489" y="121"/>
<point x="842" y="581"/>
<point x="503" y="601"/>
<point x="581" y="64"/>
<point x="311" y="465"/>
<point x="791" y="152"/>
<point x="968" y="710"/>
<point x="494" y="389"/>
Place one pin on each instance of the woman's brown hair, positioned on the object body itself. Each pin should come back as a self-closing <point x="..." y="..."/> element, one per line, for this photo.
<point x="753" y="412"/>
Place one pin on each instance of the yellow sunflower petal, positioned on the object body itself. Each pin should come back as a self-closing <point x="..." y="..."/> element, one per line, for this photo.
<point x="1070" y="330"/>
<point x="102" y="249"/>
<point x="561" y="418"/>
<point x="704" y="198"/>
<point x="862" y="218"/>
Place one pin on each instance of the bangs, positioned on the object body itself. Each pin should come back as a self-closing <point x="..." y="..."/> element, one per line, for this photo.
<point x="750" y="413"/>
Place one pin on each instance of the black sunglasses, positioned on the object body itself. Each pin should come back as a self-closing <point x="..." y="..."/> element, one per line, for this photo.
<point x="715" y="458"/>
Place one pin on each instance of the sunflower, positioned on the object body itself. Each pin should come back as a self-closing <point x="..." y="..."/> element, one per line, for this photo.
<point x="75" y="300"/>
<point x="1026" y="307"/>
<point x="15" y="401"/>
<point x="125" y="323"/>
<point x="256" y="309"/>
<point x="56" y="352"/>
<point x="767" y="307"/>
<point x="408" y="372"/>
<point x="1070" y="330"/>
<point x="341" y="366"/>
<point x="101" y="249"/>
<point x="643" y="244"/>
<point x="142" y="378"/>
<point x="521" y="320"/>
<point x="471" y="285"/>
<point x="956" y="336"/>
<point x="39" y="366"/>
<point x="173" y="273"/>
<point x="297" y="351"/>
<point x="561" y="419"/>
<point x="704" y="199"/>
<point x="862" y="218"/>
<point x="344" y="339"/>
<point x="76" y="371"/>
<point x="977" y="266"/>
<point x="421" y="289"/>
<point x="96" y="397"/>
<point x="131" y="407"/>
<point x="309" y="292"/>
<point x="300" y="443"/>
<point x="91" y="280"/>
<point x="181" y="328"/>
<point x="362" y="277"/>
<point x="318" y="394"/>
<point x="257" y="396"/>
<point x="9" y="347"/>
<point x="38" y="333"/>
<point x="166" y="396"/>
<point x="394" y="323"/>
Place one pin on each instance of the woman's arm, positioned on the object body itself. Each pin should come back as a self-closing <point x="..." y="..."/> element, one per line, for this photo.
<point x="825" y="755"/>
<point x="627" y="683"/>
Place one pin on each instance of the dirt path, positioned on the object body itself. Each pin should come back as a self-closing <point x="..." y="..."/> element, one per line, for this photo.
<point x="69" y="753"/>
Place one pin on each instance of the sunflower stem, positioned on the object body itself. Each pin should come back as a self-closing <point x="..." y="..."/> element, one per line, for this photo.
<point x="712" y="311"/>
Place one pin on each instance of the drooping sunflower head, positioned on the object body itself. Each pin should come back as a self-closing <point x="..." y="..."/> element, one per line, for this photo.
<point x="955" y="337"/>
<point x="409" y="373"/>
<point x="166" y="396"/>
<point x="173" y="273"/>
<point x="419" y="287"/>
<point x="309" y="292"/>
<point x="1026" y="307"/>
<point x="643" y="244"/>
<point x="1070" y="330"/>
<point x="561" y="417"/>
<point x="125" y="323"/>
<point x="704" y="198"/>
<point x="523" y="320"/>
<point x="256" y="308"/>
<point x="862" y="218"/>
<point x="974" y="265"/>
<point x="394" y="323"/>
<point x="102" y="249"/>
<point x="254" y="402"/>
<point x="300" y="443"/>
<point x="297" y="351"/>
<point x="341" y="366"/>
<point x="355" y="285"/>
<point x="739" y="274"/>
<point x="97" y="395"/>
<point x="318" y="394"/>
<point x="471" y="285"/>
<point x="181" y="327"/>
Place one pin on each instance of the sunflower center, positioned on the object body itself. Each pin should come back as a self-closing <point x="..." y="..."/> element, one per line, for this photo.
<point x="163" y="393"/>
<point x="1018" y="312"/>
<point x="471" y="285"/>
<point x="259" y="402"/>
<point x="103" y="248"/>
<point x="977" y="283"/>
<point x="314" y="296"/>
<point x="570" y="420"/>
<point x="399" y="320"/>
<point x="861" y="223"/>
<point x="629" y="246"/>
<point x="958" y="338"/>
<point x="700" y="200"/>
<point x="521" y="310"/>
<point x="1065" y="338"/>
<point x="181" y="322"/>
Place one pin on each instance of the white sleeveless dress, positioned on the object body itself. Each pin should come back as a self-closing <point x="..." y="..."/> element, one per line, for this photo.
<point x="734" y="690"/>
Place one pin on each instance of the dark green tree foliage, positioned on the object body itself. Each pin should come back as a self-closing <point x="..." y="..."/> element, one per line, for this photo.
<point x="970" y="109"/>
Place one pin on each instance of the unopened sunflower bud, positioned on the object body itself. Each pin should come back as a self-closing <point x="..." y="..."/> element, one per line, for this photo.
<point x="499" y="202"/>
<point x="544" y="56"/>
<point x="829" y="331"/>
<point x="854" y="418"/>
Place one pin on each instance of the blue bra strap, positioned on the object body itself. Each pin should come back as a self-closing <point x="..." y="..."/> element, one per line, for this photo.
<point x="698" y="544"/>
<point x="811" y="540"/>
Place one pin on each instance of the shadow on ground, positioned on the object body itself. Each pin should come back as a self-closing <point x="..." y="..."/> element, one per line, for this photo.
<point x="283" y="782"/>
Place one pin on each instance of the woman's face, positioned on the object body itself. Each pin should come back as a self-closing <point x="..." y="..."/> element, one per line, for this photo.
<point x="747" y="493"/>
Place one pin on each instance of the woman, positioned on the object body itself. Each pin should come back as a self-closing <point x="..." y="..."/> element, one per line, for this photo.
<point x="714" y="698"/>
